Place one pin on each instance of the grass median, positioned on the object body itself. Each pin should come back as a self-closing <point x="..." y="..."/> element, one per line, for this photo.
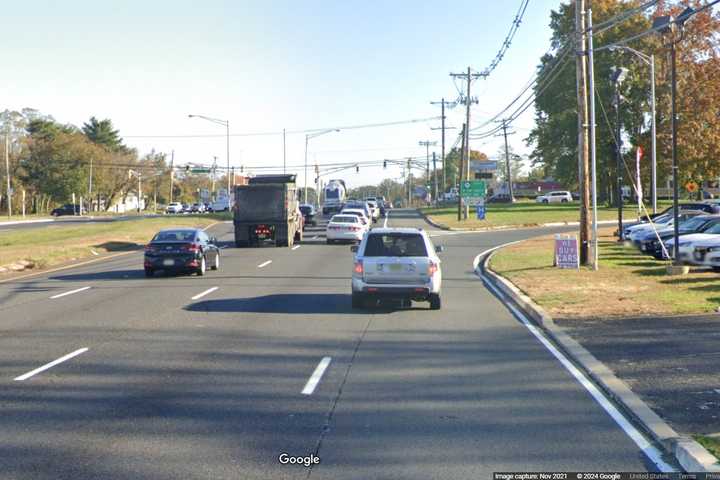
<point x="626" y="284"/>
<point x="525" y="213"/>
<point x="40" y="248"/>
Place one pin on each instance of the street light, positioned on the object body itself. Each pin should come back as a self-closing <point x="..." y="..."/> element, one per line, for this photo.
<point x="649" y="60"/>
<point x="671" y="29"/>
<point x="308" y="136"/>
<point x="226" y="124"/>
<point x="617" y="76"/>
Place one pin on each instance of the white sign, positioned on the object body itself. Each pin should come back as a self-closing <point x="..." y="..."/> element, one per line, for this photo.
<point x="566" y="252"/>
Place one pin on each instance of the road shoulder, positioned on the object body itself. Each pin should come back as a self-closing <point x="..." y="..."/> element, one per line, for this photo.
<point x="688" y="453"/>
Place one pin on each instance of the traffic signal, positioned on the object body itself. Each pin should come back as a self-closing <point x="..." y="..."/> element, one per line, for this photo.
<point x="187" y="168"/>
<point x="357" y="168"/>
<point x="384" y="163"/>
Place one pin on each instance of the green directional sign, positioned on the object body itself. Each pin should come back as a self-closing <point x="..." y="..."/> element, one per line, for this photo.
<point x="473" y="188"/>
<point x="200" y="170"/>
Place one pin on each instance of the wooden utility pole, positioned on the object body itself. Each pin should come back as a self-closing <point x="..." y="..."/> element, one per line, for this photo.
<point x="583" y="126"/>
<point x="508" y="167"/>
<point x="460" y="176"/>
<point x="469" y="77"/>
<point x="172" y="173"/>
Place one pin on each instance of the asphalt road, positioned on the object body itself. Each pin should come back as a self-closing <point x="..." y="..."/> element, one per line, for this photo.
<point x="181" y="381"/>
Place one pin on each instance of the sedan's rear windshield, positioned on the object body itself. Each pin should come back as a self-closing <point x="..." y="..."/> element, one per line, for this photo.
<point x="395" y="245"/>
<point x="306" y="210"/>
<point x="175" y="236"/>
<point x="344" y="219"/>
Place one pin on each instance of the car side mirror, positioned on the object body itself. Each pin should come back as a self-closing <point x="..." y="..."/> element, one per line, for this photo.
<point x="439" y="249"/>
<point x="354" y="249"/>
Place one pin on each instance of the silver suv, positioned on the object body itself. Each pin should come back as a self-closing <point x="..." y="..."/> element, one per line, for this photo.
<point x="396" y="263"/>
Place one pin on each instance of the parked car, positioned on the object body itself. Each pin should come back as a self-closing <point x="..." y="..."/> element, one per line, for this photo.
<point x="345" y="227"/>
<point x="174" y="207"/>
<point x="309" y="213"/>
<point x="707" y="252"/>
<point x="197" y="208"/>
<point x="499" y="198"/>
<point x="650" y="242"/>
<point x="666" y="221"/>
<point x="688" y="243"/>
<point x="707" y="207"/>
<point x="396" y="263"/>
<point x="181" y="250"/>
<point x="555" y="197"/>
<point x="67" y="209"/>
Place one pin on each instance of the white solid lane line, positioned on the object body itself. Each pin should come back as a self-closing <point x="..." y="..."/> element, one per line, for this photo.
<point x="296" y="247"/>
<point x="316" y="376"/>
<point x="265" y="264"/>
<point x="200" y="295"/>
<point x="51" y="364"/>
<point x="385" y="222"/>
<point x="59" y="295"/>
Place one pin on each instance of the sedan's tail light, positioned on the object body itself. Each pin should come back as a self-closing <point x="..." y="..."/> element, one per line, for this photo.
<point x="432" y="268"/>
<point x="150" y="249"/>
<point x="192" y="247"/>
<point x="358" y="270"/>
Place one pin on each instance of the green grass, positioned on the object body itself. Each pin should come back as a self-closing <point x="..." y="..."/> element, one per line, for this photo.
<point x="55" y="244"/>
<point x="629" y="284"/>
<point x="524" y="213"/>
<point x="711" y="444"/>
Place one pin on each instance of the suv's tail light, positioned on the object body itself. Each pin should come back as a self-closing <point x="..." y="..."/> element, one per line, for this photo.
<point x="432" y="268"/>
<point x="358" y="269"/>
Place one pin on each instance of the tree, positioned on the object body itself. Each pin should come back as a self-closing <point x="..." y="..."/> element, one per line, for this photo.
<point x="515" y="163"/>
<point x="554" y="137"/>
<point x="102" y="132"/>
<point x="452" y="165"/>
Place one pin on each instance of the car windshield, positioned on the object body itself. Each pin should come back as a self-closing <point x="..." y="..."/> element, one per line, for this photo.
<point x="395" y="245"/>
<point x="175" y="236"/>
<point x="715" y="229"/>
<point x="344" y="219"/>
<point x="306" y="210"/>
<point x="693" y="223"/>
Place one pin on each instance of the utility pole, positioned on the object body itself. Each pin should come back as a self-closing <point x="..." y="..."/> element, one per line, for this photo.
<point x="435" y="180"/>
<point x="409" y="183"/>
<point x="460" y="178"/>
<point x="427" y="144"/>
<point x="284" y="161"/>
<point x="508" y="169"/>
<point x="214" y="167"/>
<point x="583" y="125"/>
<point x="442" y="103"/>
<point x="7" y="171"/>
<point x="469" y="77"/>
<point x="591" y="136"/>
<point x="172" y="173"/>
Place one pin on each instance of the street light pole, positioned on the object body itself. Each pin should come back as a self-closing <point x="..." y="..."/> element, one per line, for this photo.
<point x="308" y="136"/>
<point x="7" y="171"/>
<point x="617" y="77"/>
<point x="649" y="60"/>
<point x="226" y="124"/>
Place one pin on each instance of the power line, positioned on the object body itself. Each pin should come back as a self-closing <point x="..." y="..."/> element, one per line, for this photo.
<point x="290" y="132"/>
<point x="508" y="39"/>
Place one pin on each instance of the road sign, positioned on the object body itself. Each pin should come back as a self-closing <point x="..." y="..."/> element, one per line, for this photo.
<point x="566" y="252"/>
<point x="472" y="188"/>
<point x="691" y="186"/>
<point x="200" y="170"/>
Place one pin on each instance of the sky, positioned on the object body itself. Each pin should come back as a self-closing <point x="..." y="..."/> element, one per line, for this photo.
<point x="269" y="65"/>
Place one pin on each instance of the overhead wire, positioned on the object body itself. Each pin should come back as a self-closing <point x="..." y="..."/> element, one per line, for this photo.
<point x="508" y="39"/>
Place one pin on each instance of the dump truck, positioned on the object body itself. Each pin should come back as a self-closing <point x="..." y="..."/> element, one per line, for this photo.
<point x="266" y="211"/>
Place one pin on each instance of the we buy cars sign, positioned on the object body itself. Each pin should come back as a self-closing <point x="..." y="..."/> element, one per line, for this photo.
<point x="566" y="252"/>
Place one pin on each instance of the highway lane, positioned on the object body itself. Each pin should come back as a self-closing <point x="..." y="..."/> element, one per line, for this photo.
<point x="178" y="388"/>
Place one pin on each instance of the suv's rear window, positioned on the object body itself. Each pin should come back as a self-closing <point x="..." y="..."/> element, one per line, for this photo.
<point x="395" y="245"/>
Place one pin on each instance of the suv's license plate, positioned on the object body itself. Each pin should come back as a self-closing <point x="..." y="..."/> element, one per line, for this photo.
<point x="169" y="262"/>
<point x="395" y="267"/>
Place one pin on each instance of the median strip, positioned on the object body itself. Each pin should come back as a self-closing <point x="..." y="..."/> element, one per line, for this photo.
<point x="51" y="364"/>
<point x="264" y="264"/>
<point x="206" y="292"/>
<point x="65" y="294"/>
<point x="316" y="376"/>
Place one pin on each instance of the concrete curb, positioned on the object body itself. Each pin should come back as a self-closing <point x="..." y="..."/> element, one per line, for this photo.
<point x="689" y="454"/>
<point x="506" y="227"/>
<point x="21" y="222"/>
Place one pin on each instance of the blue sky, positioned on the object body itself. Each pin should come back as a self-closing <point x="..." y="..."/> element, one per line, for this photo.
<point x="265" y="66"/>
